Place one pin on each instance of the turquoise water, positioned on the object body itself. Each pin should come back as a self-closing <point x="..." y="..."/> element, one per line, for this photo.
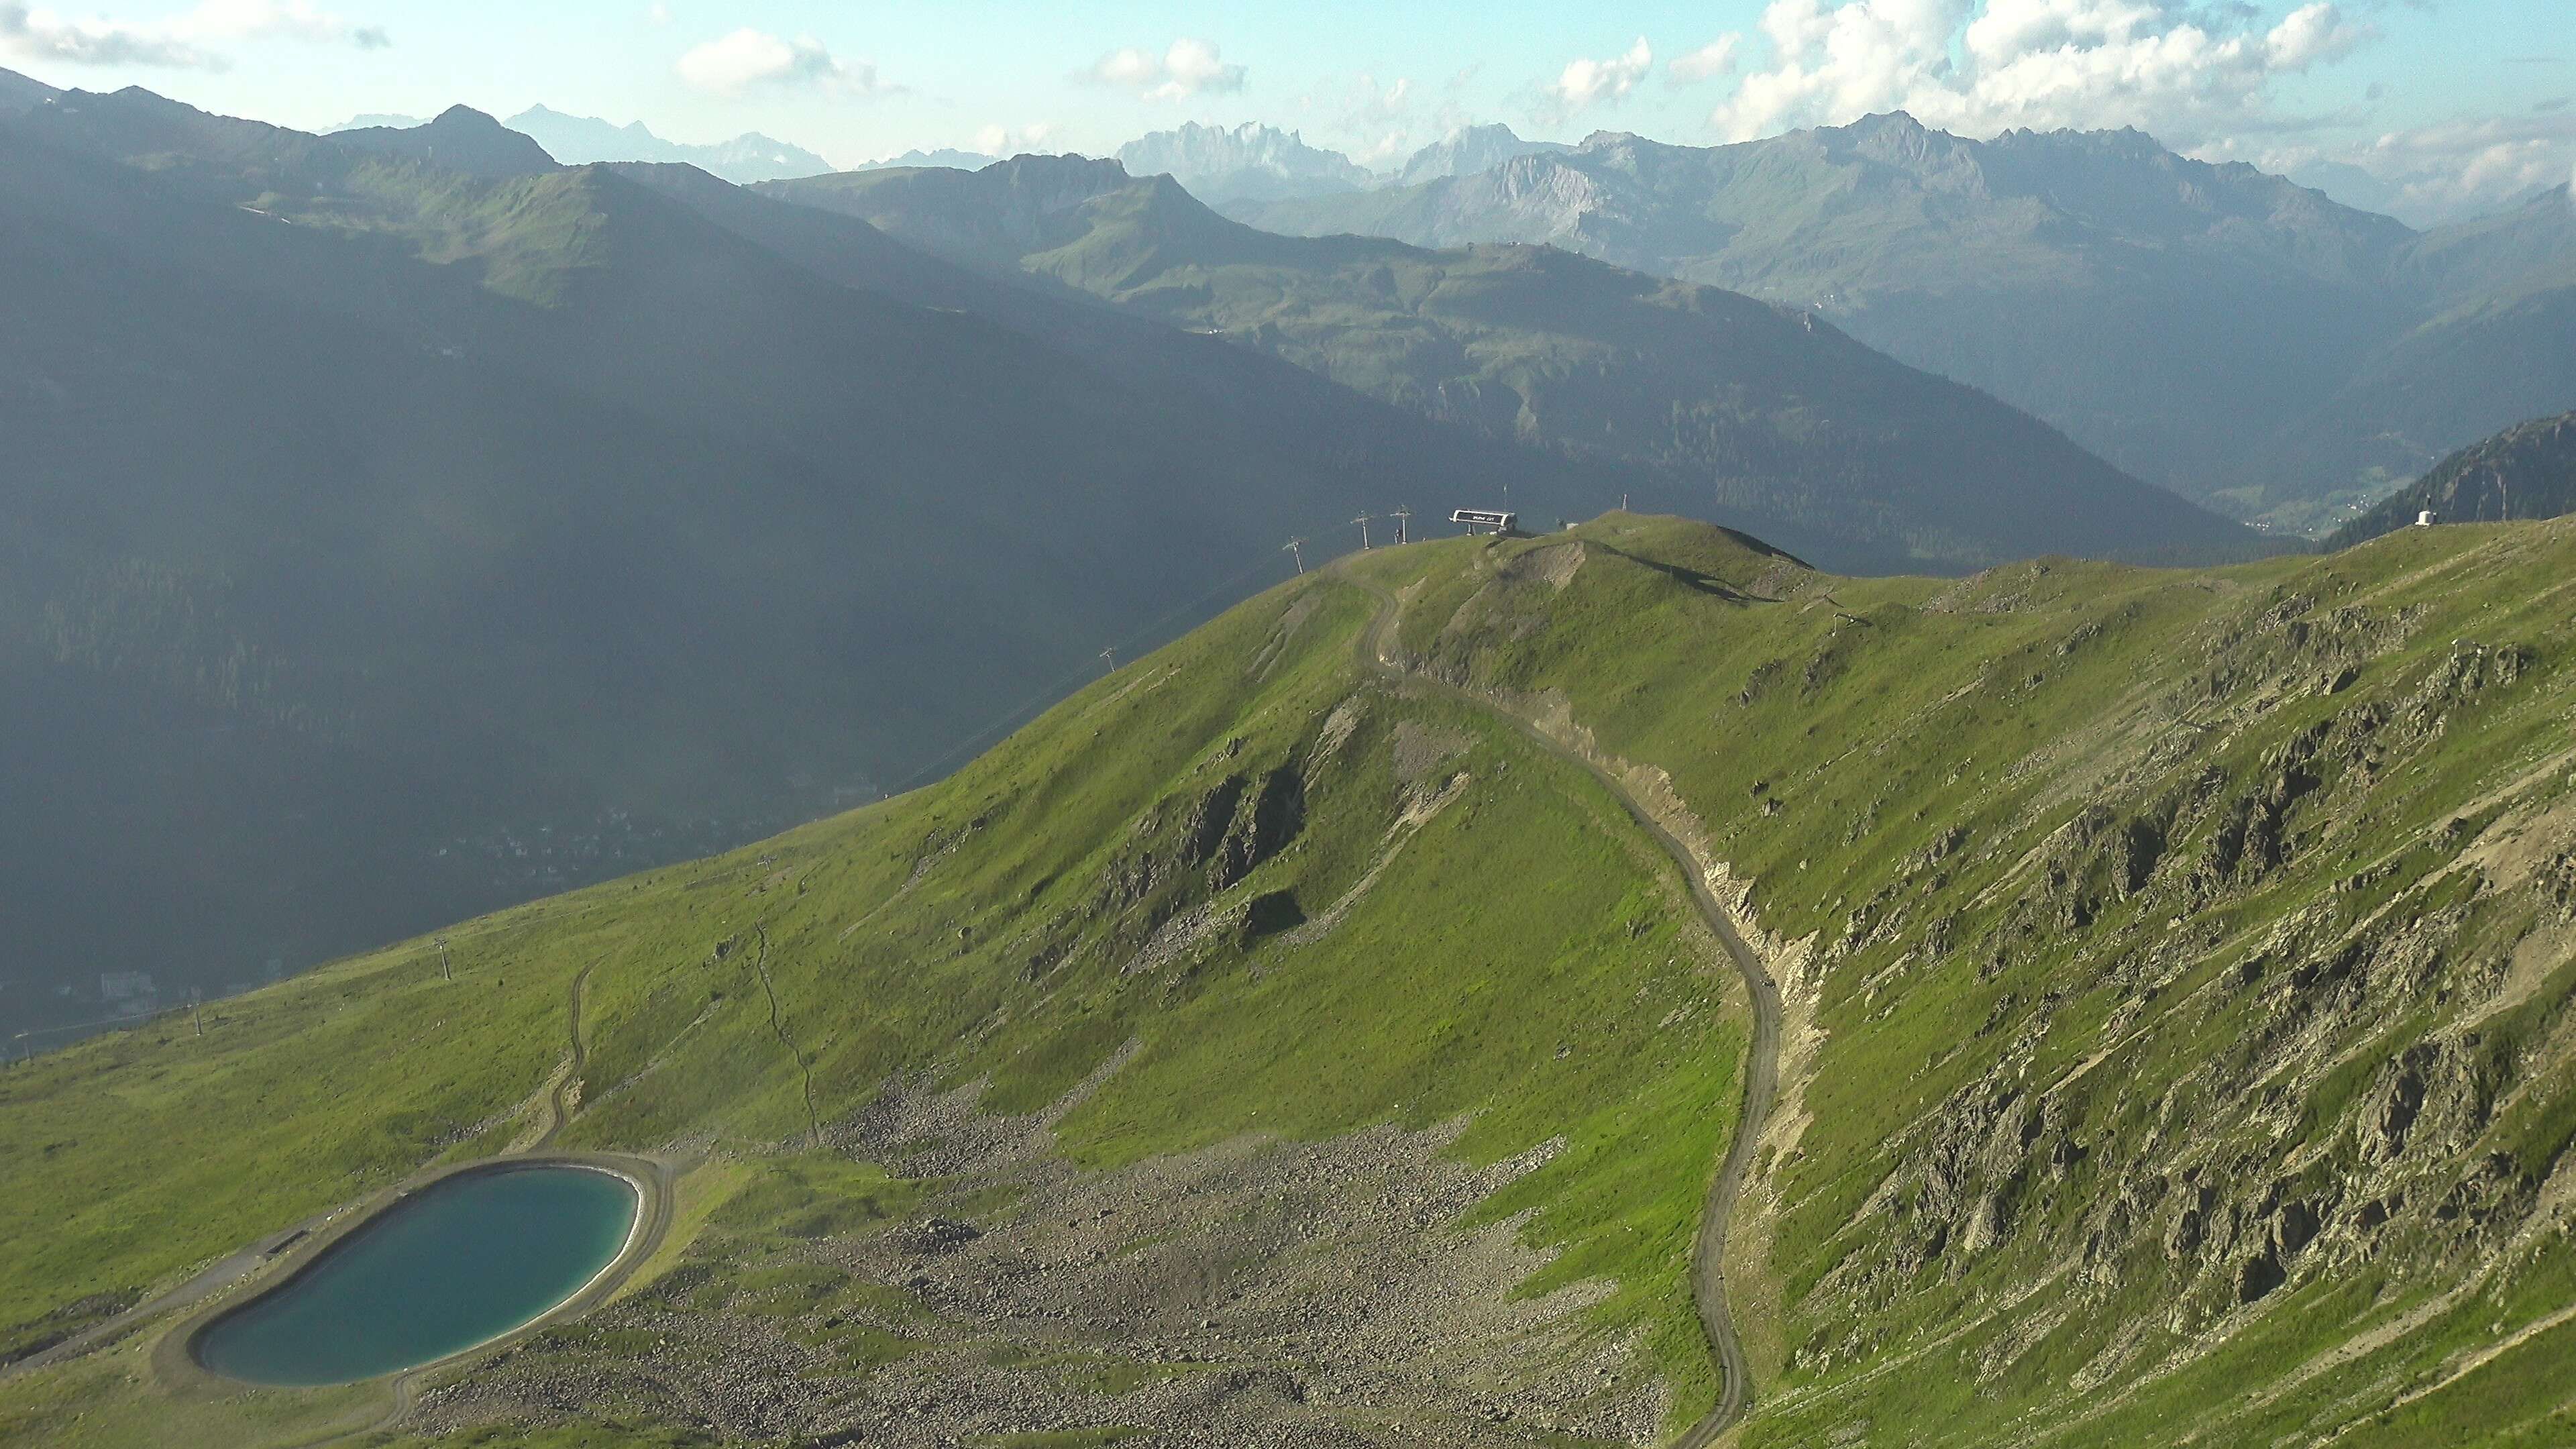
<point x="460" y="1263"/>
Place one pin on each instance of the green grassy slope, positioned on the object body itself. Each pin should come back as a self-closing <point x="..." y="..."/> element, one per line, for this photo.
<point x="1765" y="417"/>
<point x="2178" y="969"/>
<point x="987" y="927"/>
<point x="2192" y="964"/>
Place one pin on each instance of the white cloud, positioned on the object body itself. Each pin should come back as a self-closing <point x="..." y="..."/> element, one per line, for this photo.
<point x="1386" y="151"/>
<point x="1368" y="100"/>
<point x="181" y="41"/>
<point x="2189" y="73"/>
<point x="1188" y="68"/>
<point x="266" y="19"/>
<point x="1585" y="82"/>
<point x="657" y="16"/>
<point x="732" y="64"/>
<point x="43" y="35"/>
<point x="1012" y="140"/>
<point x="1716" y="58"/>
<point x="2457" y="169"/>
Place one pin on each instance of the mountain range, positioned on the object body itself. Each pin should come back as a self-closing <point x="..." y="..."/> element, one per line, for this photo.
<point x="955" y="160"/>
<point x="1616" y="987"/>
<point x="577" y="140"/>
<point x="1765" y="416"/>
<point x="387" y="539"/>
<point x="2222" y="331"/>
<point x="2289" y="360"/>
<point x="1469" y="150"/>
<point x="1251" y="162"/>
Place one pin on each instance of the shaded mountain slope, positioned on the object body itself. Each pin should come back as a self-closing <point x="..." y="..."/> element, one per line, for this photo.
<point x="2526" y="471"/>
<point x="2495" y="348"/>
<point x="2178" y="970"/>
<point x="18" y="92"/>
<point x="1781" y="423"/>
<point x="1339" y="429"/>
<point x="461" y="139"/>
<point x="623" y="534"/>
<point x="2213" y="328"/>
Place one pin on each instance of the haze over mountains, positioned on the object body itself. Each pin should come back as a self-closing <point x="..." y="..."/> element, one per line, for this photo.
<point x="548" y="438"/>
<point x="925" y="738"/>
<point x="1766" y="417"/>
<point x="2219" y="330"/>
<point x="943" y="156"/>
<point x="1251" y="162"/>
<point x="578" y="140"/>
<point x="387" y="538"/>
<point x="2283" y="357"/>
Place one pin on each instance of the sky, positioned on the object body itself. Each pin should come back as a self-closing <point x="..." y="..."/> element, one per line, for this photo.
<point x="2430" y="109"/>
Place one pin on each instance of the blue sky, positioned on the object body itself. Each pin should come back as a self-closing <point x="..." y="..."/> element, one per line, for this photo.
<point x="2427" y="107"/>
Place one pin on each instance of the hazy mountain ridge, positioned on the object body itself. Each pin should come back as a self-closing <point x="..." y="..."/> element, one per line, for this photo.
<point x="1469" y="150"/>
<point x="461" y="139"/>
<point x="579" y="140"/>
<point x="1249" y="162"/>
<point x="2244" y="304"/>
<point x="532" y="478"/>
<point x="2527" y="471"/>
<point x="18" y="92"/>
<point x="946" y="157"/>
<point x="1784" y="425"/>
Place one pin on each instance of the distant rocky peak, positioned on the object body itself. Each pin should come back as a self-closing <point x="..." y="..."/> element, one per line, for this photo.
<point x="460" y="139"/>
<point x="1896" y="139"/>
<point x="1251" y="157"/>
<point x="1042" y="184"/>
<point x="466" y="118"/>
<point x="1469" y="150"/>
<point x="1889" y="123"/>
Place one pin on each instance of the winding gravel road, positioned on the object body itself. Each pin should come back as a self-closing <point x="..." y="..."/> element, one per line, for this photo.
<point x="1762" y="1075"/>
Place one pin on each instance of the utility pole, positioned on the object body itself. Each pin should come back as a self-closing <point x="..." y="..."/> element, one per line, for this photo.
<point x="444" y="972"/>
<point x="1296" y="548"/>
<point x="1363" y="522"/>
<point x="1401" y="514"/>
<point x="196" y="1016"/>
<point x="1111" y="654"/>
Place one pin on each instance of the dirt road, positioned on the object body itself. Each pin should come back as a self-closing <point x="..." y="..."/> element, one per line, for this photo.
<point x="1762" y="1072"/>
